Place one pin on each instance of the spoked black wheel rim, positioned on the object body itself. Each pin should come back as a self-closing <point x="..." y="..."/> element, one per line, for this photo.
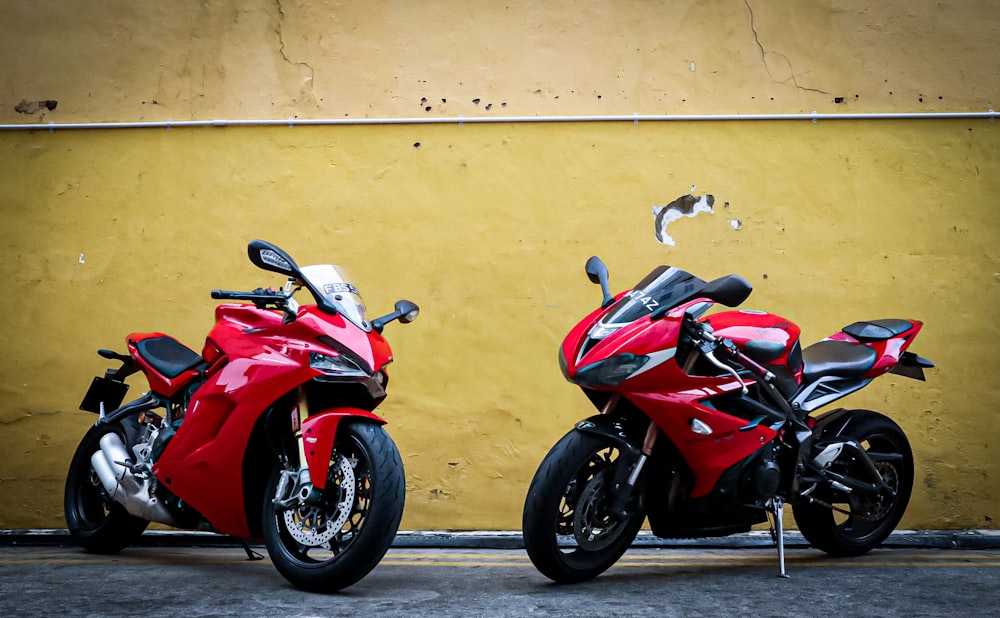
<point x="843" y="521"/>
<point x="576" y="524"/>
<point x="331" y="543"/>
<point x="860" y="516"/>
<point x="584" y="520"/>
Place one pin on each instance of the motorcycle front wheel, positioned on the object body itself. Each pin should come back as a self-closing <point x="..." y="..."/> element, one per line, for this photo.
<point x="97" y="523"/>
<point x="568" y="531"/>
<point x="860" y="523"/>
<point x="330" y="545"/>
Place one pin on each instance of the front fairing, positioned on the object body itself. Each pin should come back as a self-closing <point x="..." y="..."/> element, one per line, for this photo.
<point x="245" y="331"/>
<point x="677" y="398"/>
<point x="637" y="332"/>
<point x="655" y="339"/>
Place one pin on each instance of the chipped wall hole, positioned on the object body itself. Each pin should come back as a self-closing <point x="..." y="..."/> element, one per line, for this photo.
<point x="684" y="206"/>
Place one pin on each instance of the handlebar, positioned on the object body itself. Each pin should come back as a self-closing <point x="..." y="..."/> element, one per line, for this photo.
<point x="710" y="344"/>
<point x="258" y="295"/>
<point x="261" y="298"/>
<point x="227" y="295"/>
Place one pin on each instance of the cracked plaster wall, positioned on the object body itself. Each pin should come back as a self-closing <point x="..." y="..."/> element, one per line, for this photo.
<point x="129" y="61"/>
<point x="487" y="227"/>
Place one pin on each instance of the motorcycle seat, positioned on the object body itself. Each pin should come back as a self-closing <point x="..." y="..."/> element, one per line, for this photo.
<point x="841" y="359"/>
<point x="168" y="356"/>
<point x="878" y="330"/>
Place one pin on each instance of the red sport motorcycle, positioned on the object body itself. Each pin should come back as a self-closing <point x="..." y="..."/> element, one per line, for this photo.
<point x="706" y="428"/>
<point x="269" y="432"/>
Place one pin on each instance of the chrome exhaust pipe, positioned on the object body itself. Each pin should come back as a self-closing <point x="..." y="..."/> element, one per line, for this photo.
<point x="124" y="487"/>
<point x="117" y="480"/>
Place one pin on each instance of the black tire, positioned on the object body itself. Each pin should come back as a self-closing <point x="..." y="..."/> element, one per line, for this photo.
<point x="567" y="532"/>
<point x="97" y="523"/>
<point x="328" y="557"/>
<point x="871" y="520"/>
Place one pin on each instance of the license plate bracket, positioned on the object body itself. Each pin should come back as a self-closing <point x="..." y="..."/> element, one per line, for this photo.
<point x="104" y="390"/>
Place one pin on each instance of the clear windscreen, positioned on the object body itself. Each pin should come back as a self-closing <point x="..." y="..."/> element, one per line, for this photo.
<point x="333" y="286"/>
<point x="666" y="287"/>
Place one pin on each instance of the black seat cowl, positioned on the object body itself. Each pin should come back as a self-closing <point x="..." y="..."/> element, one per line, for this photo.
<point x="168" y="356"/>
<point x="878" y="330"/>
<point x="841" y="359"/>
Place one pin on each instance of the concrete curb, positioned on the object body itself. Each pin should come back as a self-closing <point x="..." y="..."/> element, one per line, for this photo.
<point x="511" y="539"/>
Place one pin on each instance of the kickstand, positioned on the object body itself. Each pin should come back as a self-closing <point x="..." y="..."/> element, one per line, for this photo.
<point x="778" y="532"/>
<point x="251" y="554"/>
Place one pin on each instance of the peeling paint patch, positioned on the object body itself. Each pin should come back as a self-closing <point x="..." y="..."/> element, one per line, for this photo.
<point x="33" y="107"/>
<point x="684" y="206"/>
<point x="736" y="223"/>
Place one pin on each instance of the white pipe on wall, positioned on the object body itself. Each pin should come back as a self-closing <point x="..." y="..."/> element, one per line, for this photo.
<point x="51" y="126"/>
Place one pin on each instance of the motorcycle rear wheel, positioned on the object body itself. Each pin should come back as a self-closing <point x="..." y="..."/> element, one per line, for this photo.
<point x="568" y="533"/>
<point x="332" y="545"/>
<point x="870" y="519"/>
<point x="97" y="523"/>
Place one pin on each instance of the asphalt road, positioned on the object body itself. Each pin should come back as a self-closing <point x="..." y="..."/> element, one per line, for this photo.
<point x="220" y="581"/>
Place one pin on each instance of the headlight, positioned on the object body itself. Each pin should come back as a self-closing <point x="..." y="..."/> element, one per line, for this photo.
<point x="610" y="372"/>
<point x="600" y="331"/>
<point x="563" y="365"/>
<point x="336" y="366"/>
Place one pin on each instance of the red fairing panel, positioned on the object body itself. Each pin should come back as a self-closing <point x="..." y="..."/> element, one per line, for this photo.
<point x="203" y="462"/>
<point x="672" y="398"/>
<point x="708" y="456"/>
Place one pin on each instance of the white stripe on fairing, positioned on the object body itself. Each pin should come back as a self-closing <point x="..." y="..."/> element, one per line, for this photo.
<point x="656" y="358"/>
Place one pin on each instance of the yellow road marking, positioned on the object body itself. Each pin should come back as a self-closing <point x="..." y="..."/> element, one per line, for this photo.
<point x="697" y="563"/>
<point x="812" y="555"/>
<point x="645" y="560"/>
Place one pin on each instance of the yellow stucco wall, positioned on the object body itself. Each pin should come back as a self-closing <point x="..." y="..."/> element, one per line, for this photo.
<point x="487" y="226"/>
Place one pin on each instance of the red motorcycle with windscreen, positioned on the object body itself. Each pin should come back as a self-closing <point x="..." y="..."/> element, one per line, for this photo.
<point x="269" y="432"/>
<point x="706" y="428"/>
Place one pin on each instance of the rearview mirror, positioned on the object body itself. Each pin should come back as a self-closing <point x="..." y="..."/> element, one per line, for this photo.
<point x="730" y="290"/>
<point x="597" y="272"/>
<point x="270" y="257"/>
<point x="406" y="311"/>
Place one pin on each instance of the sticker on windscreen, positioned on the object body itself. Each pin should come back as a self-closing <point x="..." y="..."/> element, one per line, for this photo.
<point x="340" y="288"/>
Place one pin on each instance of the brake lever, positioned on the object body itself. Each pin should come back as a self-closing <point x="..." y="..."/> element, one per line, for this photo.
<point x="708" y="351"/>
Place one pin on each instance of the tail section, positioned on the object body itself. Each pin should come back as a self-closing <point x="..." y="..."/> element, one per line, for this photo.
<point x="889" y="338"/>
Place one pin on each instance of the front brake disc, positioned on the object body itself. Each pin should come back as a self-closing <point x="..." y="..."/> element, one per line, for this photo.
<point x="314" y="525"/>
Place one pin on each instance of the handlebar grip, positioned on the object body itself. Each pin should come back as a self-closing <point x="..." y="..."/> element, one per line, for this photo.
<point x="228" y="295"/>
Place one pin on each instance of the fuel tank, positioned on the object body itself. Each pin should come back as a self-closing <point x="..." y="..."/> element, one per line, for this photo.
<point x="769" y="339"/>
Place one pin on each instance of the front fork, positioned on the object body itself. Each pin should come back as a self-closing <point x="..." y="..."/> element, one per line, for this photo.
<point x="314" y="440"/>
<point x="624" y="488"/>
<point x="302" y="490"/>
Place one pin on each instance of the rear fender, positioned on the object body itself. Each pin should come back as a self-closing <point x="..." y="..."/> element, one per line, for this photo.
<point x="319" y="432"/>
<point x="831" y="423"/>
